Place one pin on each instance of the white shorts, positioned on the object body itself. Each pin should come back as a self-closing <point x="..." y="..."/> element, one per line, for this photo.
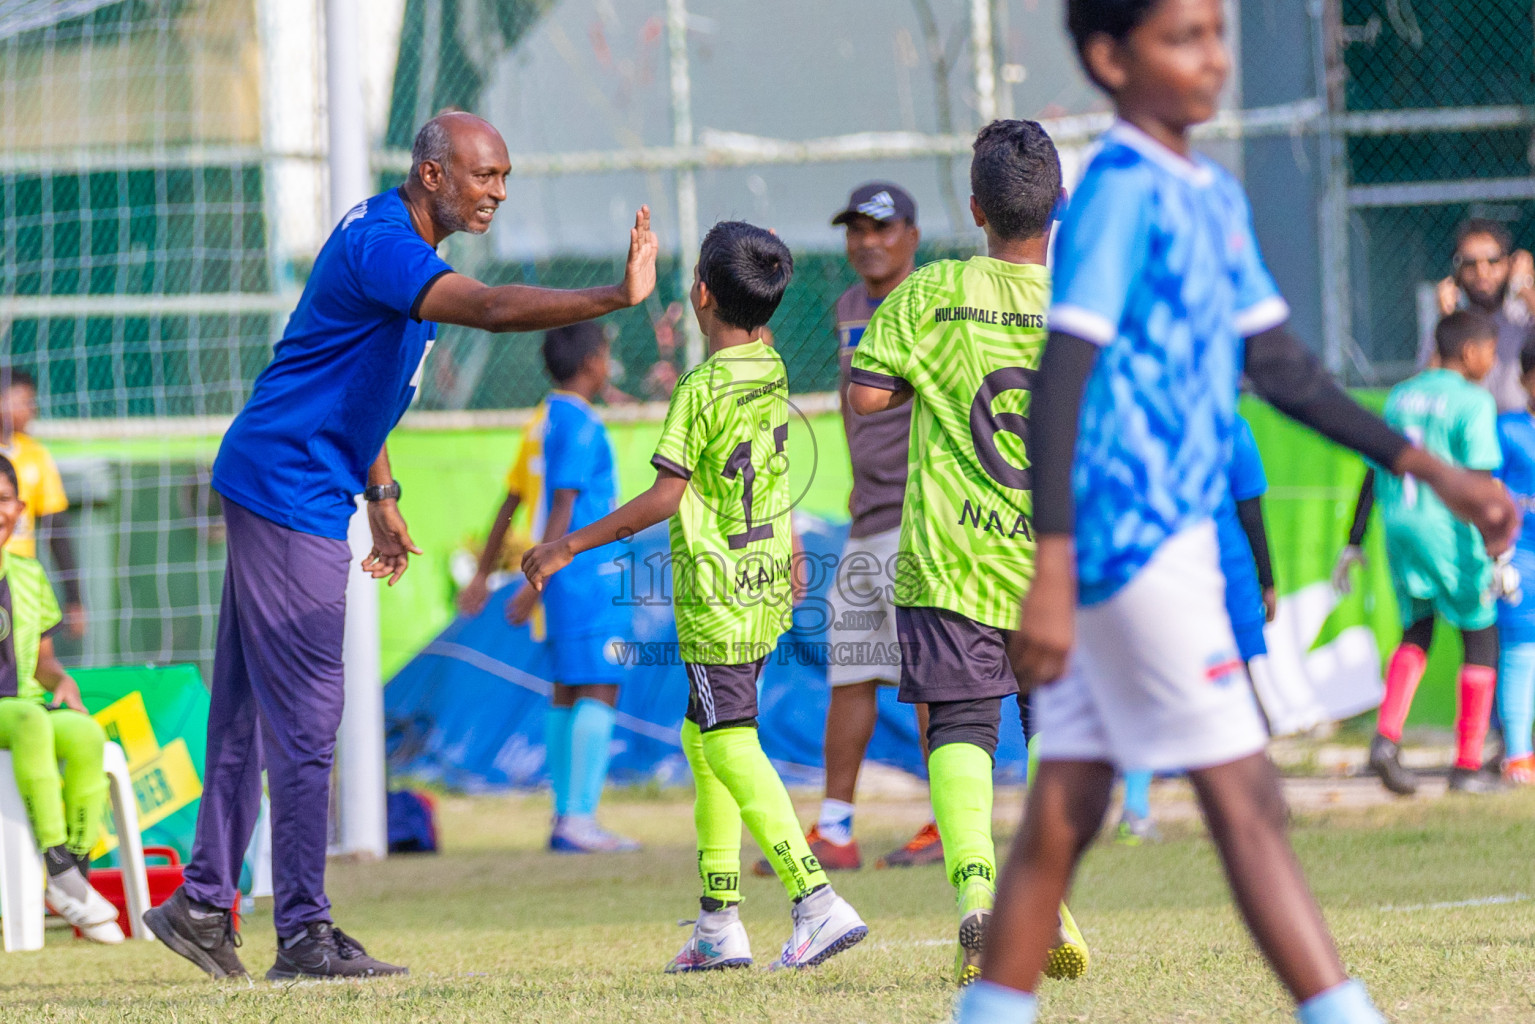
<point x="860" y="635"/>
<point x="1155" y="681"/>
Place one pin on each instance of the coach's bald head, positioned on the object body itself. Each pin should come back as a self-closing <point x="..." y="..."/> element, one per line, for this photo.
<point x="458" y="169"/>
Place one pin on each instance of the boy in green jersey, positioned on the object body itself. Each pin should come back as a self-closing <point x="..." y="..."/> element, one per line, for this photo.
<point x="1439" y="565"/>
<point x="65" y="813"/>
<point x="962" y="340"/>
<point x="722" y="478"/>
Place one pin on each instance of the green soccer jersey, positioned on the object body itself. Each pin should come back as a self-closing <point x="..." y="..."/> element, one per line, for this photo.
<point x="966" y="336"/>
<point x="1431" y="552"/>
<point x="731" y="543"/>
<point x="28" y="613"/>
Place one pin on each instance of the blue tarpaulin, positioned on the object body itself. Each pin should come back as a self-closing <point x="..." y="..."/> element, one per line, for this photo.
<point x="467" y="712"/>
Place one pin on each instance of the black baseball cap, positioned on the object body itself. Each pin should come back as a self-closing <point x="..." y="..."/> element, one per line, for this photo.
<point x="881" y="200"/>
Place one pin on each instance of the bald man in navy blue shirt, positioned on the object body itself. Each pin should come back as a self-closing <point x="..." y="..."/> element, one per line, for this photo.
<point x="289" y="470"/>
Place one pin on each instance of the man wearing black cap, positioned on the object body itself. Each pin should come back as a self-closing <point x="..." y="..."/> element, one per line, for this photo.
<point x="882" y="236"/>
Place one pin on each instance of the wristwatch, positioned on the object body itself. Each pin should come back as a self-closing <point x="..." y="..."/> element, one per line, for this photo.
<point x="383" y="492"/>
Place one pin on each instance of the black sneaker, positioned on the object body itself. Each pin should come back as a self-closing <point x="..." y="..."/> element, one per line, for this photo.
<point x="205" y="937"/>
<point x="1473" y="780"/>
<point x="1386" y="761"/>
<point x="326" y="951"/>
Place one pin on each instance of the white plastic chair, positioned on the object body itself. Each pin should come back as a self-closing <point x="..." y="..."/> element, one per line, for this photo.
<point x="21" y="869"/>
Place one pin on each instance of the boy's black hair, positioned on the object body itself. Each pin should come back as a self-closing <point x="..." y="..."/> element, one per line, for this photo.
<point x="1527" y="359"/>
<point x="8" y="471"/>
<point x="747" y="268"/>
<point x="1015" y="176"/>
<point x="1113" y="18"/>
<point x="10" y="377"/>
<point x="1461" y="328"/>
<point x="1495" y="229"/>
<point x="567" y="348"/>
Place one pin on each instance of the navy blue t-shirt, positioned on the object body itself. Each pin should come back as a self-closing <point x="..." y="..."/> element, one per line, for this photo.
<point x="341" y="377"/>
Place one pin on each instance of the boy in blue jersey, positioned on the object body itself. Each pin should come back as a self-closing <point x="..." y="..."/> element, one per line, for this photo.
<point x="1251" y="601"/>
<point x="1516" y="612"/>
<point x="565" y="474"/>
<point x="1160" y="302"/>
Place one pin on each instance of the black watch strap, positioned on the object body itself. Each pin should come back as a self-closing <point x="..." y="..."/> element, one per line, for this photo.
<point x="383" y="492"/>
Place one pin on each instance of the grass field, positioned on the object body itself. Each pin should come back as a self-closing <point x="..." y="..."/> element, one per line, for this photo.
<point x="494" y="929"/>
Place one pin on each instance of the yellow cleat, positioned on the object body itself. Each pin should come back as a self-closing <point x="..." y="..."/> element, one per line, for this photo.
<point x="1068" y="957"/>
<point x="975" y="903"/>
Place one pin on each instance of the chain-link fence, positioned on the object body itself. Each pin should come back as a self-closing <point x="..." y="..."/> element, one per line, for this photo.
<point x="1442" y="93"/>
<point x="163" y="192"/>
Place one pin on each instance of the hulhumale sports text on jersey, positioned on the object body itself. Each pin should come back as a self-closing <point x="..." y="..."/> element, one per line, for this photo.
<point x="953" y="332"/>
<point x="1002" y="318"/>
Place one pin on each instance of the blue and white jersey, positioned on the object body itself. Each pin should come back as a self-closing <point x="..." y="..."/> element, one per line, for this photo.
<point x="1155" y="261"/>
<point x="573" y="452"/>
<point x="1516" y="436"/>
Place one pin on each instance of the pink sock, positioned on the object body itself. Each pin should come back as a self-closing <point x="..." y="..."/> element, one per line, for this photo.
<point x="1478" y="683"/>
<point x="1402" y="675"/>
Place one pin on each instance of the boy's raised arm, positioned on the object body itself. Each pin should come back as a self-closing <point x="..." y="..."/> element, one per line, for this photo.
<point x="658" y="503"/>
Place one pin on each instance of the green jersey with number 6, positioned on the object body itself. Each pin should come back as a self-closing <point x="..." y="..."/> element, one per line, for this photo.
<point x="966" y="337"/>
<point x="725" y="432"/>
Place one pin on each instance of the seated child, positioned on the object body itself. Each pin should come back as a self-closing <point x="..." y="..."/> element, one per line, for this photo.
<point x="39" y="736"/>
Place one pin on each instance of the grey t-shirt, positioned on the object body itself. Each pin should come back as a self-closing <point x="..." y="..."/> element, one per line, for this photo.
<point x="878" y="444"/>
<point x="1504" y="380"/>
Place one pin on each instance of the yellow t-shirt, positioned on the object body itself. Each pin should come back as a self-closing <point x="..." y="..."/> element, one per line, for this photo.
<point x="41" y="488"/>
<point x="525" y="478"/>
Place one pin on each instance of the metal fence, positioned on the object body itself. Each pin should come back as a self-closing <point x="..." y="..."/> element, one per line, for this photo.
<point x="163" y="191"/>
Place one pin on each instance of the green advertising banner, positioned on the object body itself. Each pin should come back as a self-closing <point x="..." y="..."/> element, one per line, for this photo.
<point x="159" y="715"/>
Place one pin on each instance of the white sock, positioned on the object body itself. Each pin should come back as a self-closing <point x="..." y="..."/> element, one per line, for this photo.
<point x="836" y="821"/>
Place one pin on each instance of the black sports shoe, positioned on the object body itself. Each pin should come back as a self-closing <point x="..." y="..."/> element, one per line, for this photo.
<point x="326" y="951"/>
<point x="1473" y="780"/>
<point x="1386" y="761"/>
<point x="205" y="937"/>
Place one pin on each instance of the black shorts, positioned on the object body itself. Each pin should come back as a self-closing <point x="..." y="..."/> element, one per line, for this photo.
<point x="723" y="695"/>
<point x="946" y="656"/>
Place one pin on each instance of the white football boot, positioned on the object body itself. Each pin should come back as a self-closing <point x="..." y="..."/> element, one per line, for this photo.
<point x="718" y="941"/>
<point x="71" y="897"/>
<point x="825" y="924"/>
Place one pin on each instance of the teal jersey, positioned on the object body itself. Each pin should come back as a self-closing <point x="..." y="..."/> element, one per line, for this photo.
<point x="731" y="538"/>
<point x="1434" y="556"/>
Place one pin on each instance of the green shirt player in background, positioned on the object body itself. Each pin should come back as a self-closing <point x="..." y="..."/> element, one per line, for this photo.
<point x="962" y="340"/>
<point x="723" y="480"/>
<point x="1439" y="565"/>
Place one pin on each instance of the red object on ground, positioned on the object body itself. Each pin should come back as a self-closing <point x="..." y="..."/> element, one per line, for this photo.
<point x="164" y="879"/>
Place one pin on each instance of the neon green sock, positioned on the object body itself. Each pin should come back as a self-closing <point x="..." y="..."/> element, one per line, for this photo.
<point x="959" y="776"/>
<point x="717" y="822"/>
<point x="1033" y="759"/>
<point x="28" y="734"/>
<point x="737" y="759"/>
<point x="78" y="741"/>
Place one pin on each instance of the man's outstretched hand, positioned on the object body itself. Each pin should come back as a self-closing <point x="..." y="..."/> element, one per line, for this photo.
<point x="1046" y="630"/>
<point x="640" y="268"/>
<point x="392" y="546"/>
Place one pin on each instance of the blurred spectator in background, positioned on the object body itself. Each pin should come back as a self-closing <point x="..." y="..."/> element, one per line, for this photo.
<point x="1492" y="277"/>
<point x="41" y="488"/>
<point x="661" y="378"/>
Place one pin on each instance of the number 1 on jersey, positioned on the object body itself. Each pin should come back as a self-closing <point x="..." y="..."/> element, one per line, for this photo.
<point x="740" y="463"/>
